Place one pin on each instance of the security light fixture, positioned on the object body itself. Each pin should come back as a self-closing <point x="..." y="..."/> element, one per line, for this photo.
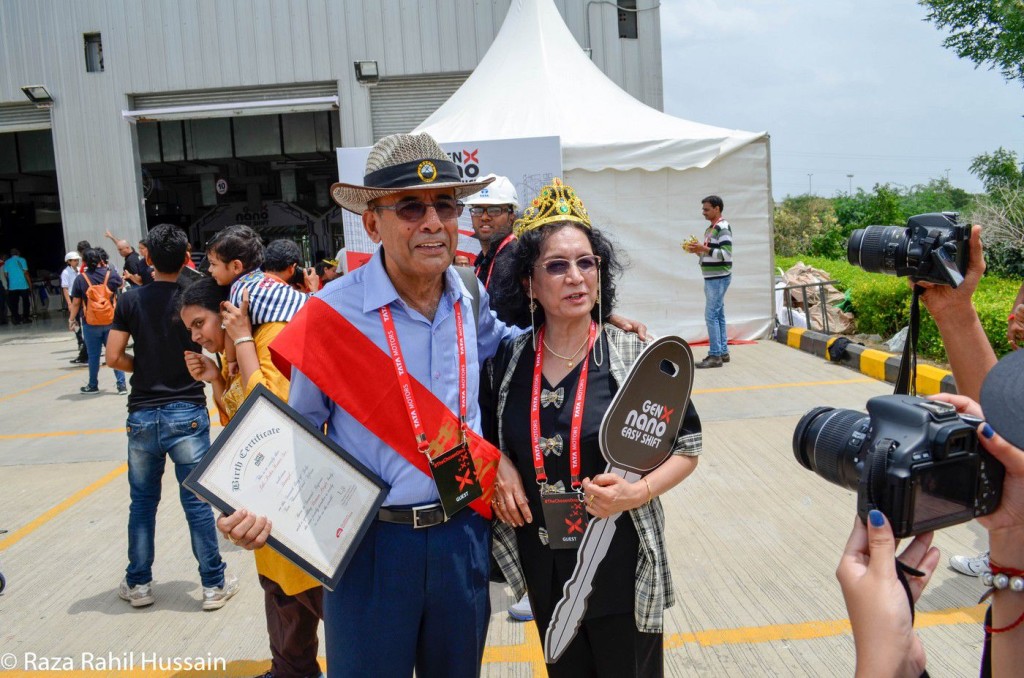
<point x="367" y="73"/>
<point x="38" y="95"/>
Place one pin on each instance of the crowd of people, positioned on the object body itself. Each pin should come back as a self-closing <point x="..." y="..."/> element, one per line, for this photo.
<point x="522" y="353"/>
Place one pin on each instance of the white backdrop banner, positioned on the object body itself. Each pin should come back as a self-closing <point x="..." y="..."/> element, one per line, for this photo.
<point x="529" y="163"/>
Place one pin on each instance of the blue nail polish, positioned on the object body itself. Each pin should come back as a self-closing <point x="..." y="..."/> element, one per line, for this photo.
<point x="876" y="518"/>
<point x="987" y="431"/>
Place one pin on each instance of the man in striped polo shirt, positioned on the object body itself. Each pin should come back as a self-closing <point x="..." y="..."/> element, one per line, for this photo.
<point x="716" y="264"/>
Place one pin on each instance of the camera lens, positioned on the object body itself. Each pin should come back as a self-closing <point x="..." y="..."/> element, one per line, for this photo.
<point x="876" y="248"/>
<point x="828" y="440"/>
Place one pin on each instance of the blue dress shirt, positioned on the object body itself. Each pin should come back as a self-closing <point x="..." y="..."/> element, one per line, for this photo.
<point x="431" y="356"/>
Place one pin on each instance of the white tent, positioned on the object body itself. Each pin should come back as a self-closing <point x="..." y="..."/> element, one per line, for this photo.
<point x="641" y="173"/>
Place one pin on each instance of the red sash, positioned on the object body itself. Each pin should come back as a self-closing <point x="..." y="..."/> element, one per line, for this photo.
<point x="360" y="378"/>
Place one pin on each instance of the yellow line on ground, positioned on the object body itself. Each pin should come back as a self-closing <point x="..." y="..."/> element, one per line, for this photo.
<point x="530" y="650"/>
<point x="22" y="532"/>
<point x="214" y="423"/>
<point x="814" y="629"/>
<point x="60" y="434"/>
<point x="792" y="384"/>
<point x="33" y="388"/>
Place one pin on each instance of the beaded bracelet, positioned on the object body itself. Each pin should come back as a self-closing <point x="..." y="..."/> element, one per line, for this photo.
<point x="1000" y="578"/>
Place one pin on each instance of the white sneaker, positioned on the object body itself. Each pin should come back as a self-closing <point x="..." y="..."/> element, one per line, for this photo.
<point x="972" y="566"/>
<point x="521" y="611"/>
<point x="138" y="596"/>
<point x="214" y="598"/>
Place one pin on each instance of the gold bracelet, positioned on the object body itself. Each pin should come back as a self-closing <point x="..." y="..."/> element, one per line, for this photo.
<point x="650" y="495"/>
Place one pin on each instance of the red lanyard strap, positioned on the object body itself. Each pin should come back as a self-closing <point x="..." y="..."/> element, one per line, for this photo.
<point x="391" y="335"/>
<point x="577" y="414"/>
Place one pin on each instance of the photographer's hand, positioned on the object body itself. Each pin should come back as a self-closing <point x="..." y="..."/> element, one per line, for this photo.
<point x="967" y="347"/>
<point x="883" y="630"/>
<point x="1015" y="325"/>
<point x="1006" y="549"/>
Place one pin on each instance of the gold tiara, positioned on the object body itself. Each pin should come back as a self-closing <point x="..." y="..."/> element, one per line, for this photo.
<point x="556" y="202"/>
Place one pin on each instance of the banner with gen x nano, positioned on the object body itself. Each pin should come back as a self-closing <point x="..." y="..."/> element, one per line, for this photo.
<point x="529" y="163"/>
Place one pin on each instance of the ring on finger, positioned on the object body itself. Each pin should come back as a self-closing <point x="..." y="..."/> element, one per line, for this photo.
<point x="590" y="499"/>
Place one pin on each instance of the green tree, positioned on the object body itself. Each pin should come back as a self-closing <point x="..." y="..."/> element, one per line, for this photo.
<point x="989" y="32"/>
<point x="800" y="219"/>
<point x="998" y="169"/>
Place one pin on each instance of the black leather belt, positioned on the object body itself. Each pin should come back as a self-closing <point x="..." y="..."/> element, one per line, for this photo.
<point x="417" y="516"/>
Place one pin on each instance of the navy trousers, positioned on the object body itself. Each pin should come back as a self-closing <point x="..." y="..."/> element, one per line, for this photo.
<point x="412" y="600"/>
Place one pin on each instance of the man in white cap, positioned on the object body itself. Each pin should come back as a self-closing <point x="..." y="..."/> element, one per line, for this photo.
<point x="493" y="210"/>
<point x="67" y="278"/>
<point x="402" y="332"/>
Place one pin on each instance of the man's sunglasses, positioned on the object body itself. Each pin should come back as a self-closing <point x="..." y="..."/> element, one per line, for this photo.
<point x="414" y="210"/>
<point x="492" y="210"/>
<point x="559" y="267"/>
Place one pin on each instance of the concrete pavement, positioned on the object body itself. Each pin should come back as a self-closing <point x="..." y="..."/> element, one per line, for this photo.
<point x="753" y="539"/>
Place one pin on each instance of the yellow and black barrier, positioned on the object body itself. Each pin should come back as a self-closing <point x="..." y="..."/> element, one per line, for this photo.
<point x="874" y="363"/>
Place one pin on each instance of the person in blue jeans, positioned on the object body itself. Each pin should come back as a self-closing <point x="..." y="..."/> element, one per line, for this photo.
<point x="94" y="333"/>
<point x="167" y="418"/>
<point x="715" y="254"/>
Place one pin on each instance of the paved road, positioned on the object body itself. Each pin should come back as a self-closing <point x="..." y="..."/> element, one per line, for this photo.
<point x="753" y="539"/>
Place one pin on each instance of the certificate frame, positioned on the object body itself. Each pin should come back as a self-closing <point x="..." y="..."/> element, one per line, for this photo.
<point x="229" y="464"/>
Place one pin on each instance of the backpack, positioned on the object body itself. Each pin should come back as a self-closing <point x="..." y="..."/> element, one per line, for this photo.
<point x="99" y="302"/>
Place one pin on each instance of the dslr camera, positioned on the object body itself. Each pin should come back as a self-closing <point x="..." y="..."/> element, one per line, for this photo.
<point x="915" y="460"/>
<point x="930" y="248"/>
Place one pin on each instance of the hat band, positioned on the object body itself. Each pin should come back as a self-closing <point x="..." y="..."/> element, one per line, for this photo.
<point x="415" y="174"/>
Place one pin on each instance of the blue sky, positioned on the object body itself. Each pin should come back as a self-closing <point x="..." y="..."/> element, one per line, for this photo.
<point x="863" y="88"/>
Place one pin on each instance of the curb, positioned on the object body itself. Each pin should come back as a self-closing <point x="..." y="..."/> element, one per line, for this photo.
<point x="873" y="363"/>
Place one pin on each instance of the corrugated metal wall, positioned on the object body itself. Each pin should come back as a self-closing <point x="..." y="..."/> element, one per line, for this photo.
<point x="153" y="46"/>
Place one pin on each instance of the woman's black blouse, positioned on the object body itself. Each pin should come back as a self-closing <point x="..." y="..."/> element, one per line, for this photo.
<point x="546" y="570"/>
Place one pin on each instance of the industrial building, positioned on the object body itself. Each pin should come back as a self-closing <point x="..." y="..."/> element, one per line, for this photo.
<point x="121" y="114"/>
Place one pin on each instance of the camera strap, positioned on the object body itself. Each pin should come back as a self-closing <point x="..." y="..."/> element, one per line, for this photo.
<point x="902" y="572"/>
<point x="906" y="380"/>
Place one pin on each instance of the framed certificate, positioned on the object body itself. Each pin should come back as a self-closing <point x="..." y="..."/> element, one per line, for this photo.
<point x="318" y="497"/>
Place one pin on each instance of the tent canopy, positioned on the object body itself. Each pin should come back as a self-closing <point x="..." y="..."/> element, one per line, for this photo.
<point x="536" y="81"/>
<point x="642" y="173"/>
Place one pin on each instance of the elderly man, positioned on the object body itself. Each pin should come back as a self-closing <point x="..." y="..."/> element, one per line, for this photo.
<point x="415" y="594"/>
<point x="136" y="270"/>
<point x="493" y="210"/>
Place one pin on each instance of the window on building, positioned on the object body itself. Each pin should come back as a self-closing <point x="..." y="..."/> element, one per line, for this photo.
<point x="627" y="19"/>
<point x="93" y="53"/>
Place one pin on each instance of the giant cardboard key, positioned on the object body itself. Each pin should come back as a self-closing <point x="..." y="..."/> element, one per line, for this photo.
<point x="636" y="436"/>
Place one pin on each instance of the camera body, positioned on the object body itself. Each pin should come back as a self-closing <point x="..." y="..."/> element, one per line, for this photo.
<point x="930" y="248"/>
<point x="915" y="460"/>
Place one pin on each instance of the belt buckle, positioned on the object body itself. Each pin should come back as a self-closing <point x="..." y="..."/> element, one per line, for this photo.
<point x="416" y="515"/>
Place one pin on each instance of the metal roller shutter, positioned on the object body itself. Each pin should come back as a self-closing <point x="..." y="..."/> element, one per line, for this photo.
<point x="397" y="105"/>
<point x="229" y="96"/>
<point x="223" y="103"/>
<point x="23" y="118"/>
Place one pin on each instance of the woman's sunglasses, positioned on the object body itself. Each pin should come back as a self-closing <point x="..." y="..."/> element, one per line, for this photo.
<point x="588" y="263"/>
<point x="411" y="209"/>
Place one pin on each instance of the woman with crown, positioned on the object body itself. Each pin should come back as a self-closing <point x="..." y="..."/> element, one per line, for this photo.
<point x="548" y="391"/>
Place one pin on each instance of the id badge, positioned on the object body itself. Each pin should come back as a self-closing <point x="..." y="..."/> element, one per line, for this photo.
<point x="565" y="518"/>
<point x="455" y="477"/>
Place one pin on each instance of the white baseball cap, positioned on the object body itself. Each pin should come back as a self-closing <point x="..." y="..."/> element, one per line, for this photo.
<point x="72" y="255"/>
<point x="500" y="192"/>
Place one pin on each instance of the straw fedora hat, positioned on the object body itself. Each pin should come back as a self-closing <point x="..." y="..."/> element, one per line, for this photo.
<point x="403" y="162"/>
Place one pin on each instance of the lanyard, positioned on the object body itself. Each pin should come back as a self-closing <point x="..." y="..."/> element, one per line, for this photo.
<point x="391" y="334"/>
<point x="577" y="413"/>
<point x="490" y="270"/>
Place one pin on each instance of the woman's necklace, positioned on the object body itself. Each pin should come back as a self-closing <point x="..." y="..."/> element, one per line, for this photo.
<point x="569" y="359"/>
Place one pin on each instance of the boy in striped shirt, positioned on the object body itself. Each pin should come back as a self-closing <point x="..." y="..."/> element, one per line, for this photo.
<point x="716" y="264"/>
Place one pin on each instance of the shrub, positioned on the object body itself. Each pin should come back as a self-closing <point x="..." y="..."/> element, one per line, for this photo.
<point x="881" y="304"/>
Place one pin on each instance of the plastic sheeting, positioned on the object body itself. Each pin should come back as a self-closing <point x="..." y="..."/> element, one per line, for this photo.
<point x="649" y="214"/>
<point x="641" y="172"/>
